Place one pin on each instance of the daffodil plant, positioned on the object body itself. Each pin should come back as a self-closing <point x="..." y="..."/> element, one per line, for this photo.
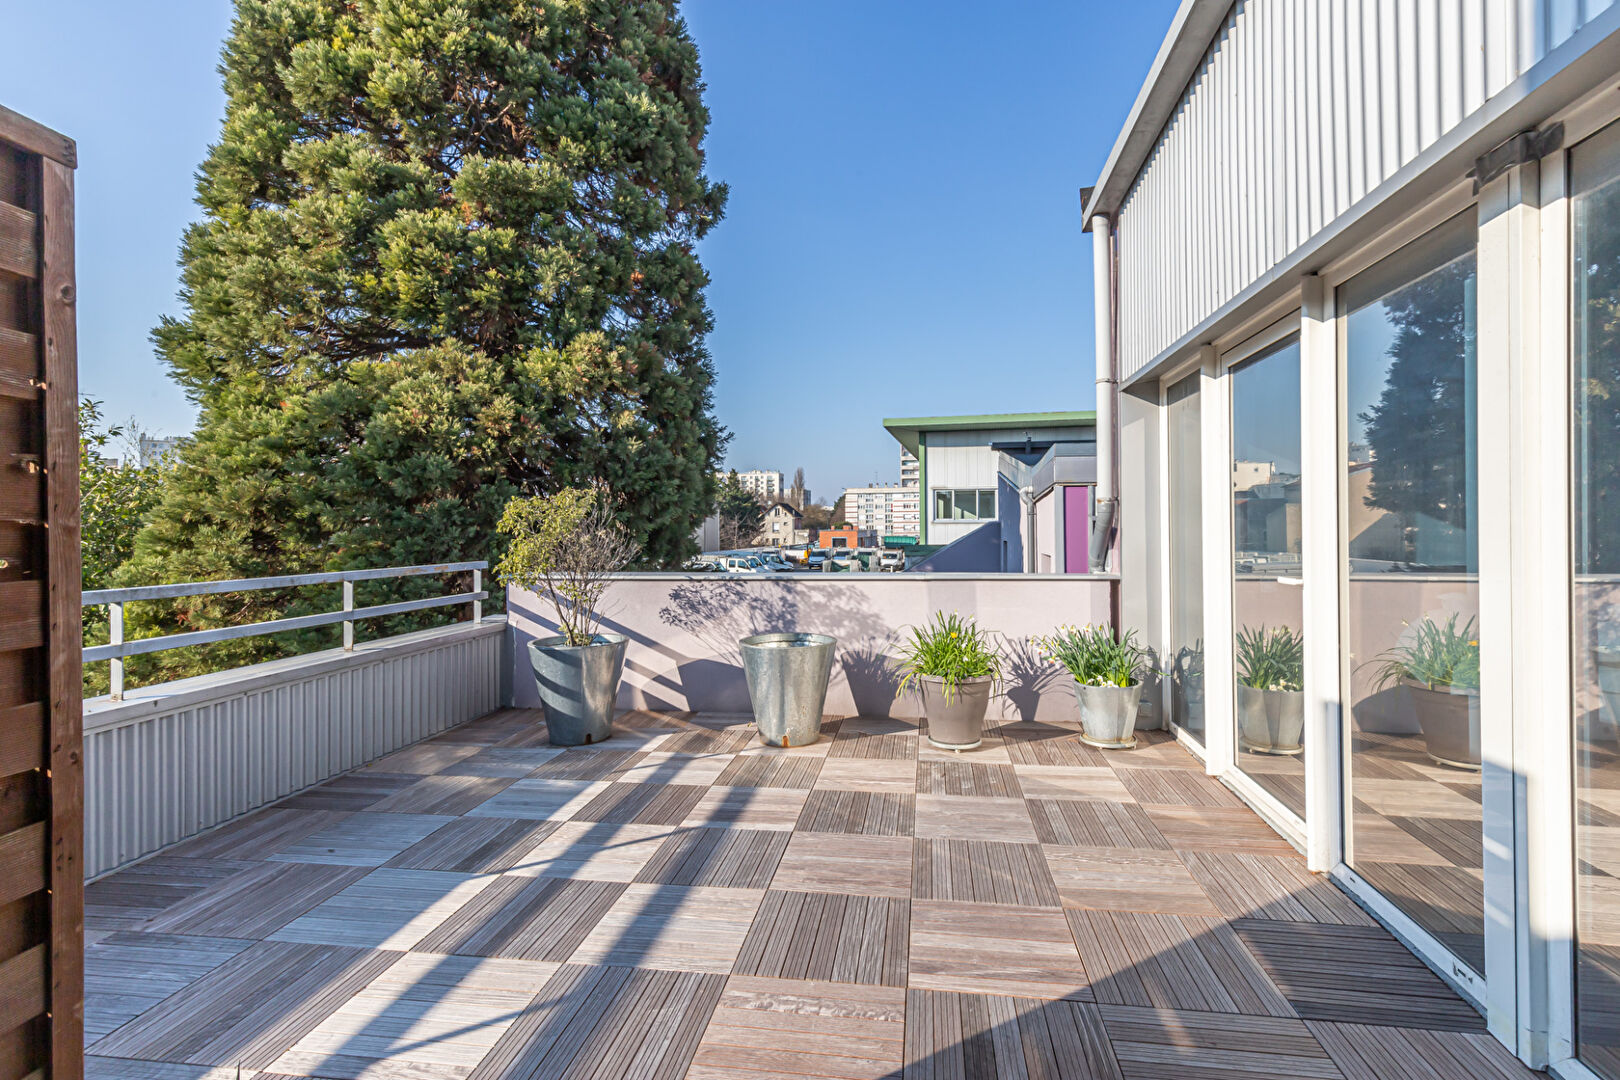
<point x="1439" y="656"/>
<point x="1095" y="655"/>
<point x="951" y="649"/>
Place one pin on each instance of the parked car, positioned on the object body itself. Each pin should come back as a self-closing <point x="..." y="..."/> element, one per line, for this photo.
<point x="892" y="559"/>
<point x="742" y="564"/>
<point x="701" y="564"/>
<point x="774" y="561"/>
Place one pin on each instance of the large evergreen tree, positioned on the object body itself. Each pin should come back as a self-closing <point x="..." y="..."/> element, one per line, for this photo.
<point x="446" y="256"/>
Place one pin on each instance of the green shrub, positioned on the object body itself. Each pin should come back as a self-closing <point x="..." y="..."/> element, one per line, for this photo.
<point x="1440" y="656"/>
<point x="1271" y="659"/>
<point x="949" y="648"/>
<point x="1095" y="656"/>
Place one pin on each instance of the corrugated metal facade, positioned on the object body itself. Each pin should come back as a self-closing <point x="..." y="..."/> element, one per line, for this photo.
<point x="161" y="778"/>
<point x="1300" y="108"/>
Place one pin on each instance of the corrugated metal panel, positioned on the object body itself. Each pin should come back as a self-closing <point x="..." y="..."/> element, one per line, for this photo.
<point x="1300" y="108"/>
<point x="161" y="778"/>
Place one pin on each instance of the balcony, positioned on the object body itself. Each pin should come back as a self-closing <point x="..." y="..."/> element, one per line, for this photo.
<point x="682" y="901"/>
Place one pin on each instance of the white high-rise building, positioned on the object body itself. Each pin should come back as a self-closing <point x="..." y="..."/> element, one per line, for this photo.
<point x="763" y="482"/>
<point x="884" y="510"/>
<point x="910" y="470"/>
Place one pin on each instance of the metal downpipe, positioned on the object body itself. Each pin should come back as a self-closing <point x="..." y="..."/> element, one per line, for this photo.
<point x="1102" y="270"/>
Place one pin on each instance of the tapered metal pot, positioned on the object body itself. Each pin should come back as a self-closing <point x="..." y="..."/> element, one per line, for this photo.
<point x="578" y="686"/>
<point x="787" y="684"/>
<point x="1450" y="722"/>
<point x="1271" y="721"/>
<point x="1108" y="714"/>
<point x="956" y="721"/>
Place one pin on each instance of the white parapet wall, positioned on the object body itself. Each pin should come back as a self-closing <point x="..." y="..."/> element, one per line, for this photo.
<point x="172" y="760"/>
<point x="684" y="628"/>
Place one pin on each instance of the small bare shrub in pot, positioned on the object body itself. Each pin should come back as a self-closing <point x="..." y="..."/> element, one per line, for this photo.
<point x="955" y="666"/>
<point x="1271" y="689"/>
<point x="1108" y="670"/>
<point x="566" y="547"/>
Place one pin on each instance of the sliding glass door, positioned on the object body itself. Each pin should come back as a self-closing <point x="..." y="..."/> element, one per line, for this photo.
<point x="1267" y="572"/>
<point x="1595" y="598"/>
<point x="1410" y="654"/>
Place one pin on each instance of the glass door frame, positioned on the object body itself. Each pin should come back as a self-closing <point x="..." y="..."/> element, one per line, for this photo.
<point x="1203" y="364"/>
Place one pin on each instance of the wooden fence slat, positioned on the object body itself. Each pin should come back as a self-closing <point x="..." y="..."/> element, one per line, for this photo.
<point x="24" y="624"/>
<point x="22" y="738"/>
<point x="22" y="987"/>
<point x="22" y="862"/>
<point x="18" y="232"/>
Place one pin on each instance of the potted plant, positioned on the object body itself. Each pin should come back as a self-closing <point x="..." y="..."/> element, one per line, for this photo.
<point x="566" y="547"/>
<point x="1108" y="670"/>
<point x="954" y="665"/>
<point x="1438" y="666"/>
<point x="1271" y="689"/>
<point x="787" y="684"/>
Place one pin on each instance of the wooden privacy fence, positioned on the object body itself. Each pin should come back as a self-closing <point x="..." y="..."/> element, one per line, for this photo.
<point x="41" y="783"/>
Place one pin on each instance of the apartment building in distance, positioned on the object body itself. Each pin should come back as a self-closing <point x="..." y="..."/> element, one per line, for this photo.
<point x="780" y="526"/>
<point x="765" y="483"/>
<point x="884" y="509"/>
<point x="910" y="469"/>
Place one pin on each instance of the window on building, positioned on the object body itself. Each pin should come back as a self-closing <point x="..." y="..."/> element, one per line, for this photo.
<point x="964" y="504"/>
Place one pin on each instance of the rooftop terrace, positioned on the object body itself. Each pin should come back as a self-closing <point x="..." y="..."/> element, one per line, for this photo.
<point x="681" y="901"/>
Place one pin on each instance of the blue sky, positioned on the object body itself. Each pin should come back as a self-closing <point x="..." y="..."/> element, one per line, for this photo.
<point x="903" y="235"/>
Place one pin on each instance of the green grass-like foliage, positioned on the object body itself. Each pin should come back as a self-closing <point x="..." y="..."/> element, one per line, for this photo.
<point x="949" y="648"/>
<point x="1438" y="655"/>
<point x="1095" y="656"/>
<point x="1271" y="658"/>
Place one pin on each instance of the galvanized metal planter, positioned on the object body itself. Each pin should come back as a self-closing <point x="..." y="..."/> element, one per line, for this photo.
<point x="787" y="684"/>
<point x="1271" y="721"/>
<point x="1108" y="714"/>
<point x="957" y="722"/>
<point x="578" y="685"/>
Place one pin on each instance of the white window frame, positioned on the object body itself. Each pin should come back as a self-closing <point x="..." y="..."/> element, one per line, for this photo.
<point x="995" y="505"/>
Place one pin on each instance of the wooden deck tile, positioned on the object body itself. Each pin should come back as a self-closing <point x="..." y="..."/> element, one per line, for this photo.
<point x="524" y="919"/>
<point x="968" y="778"/>
<point x="541" y="800"/>
<point x="425" y="1016"/>
<point x="423" y="759"/>
<point x="1172" y="962"/>
<point x="657" y="767"/>
<point x="249" y="1009"/>
<point x="351" y="791"/>
<point x="670" y="926"/>
<point x="362" y="839"/>
<point x="453" y="795"/>
<point x="760" y="770"/>
<point x="983" y="872"/>
<point x="593" y="851"/>
<point x="724" y="858"/>
<point x="1386" y="1053"/>
<point x="964" y="817"/>
<point x="1094" y="823"/>
<point x="994" y="949"/>
<point x="992" y="750"/>
<point x="1372" y="837"/>
<point x="1155" y="749"/>
<point x="1271" y="887"/>
<point x="1126" y="879"/>
<point x="256" y="903"/>
<point x="491" y="728"/>
<point x="856" y="742"/>
<point x="1414" y="798"/>
<point x="387" y="909"/>
<point x="775" y="1029"/>
<point x="831" y="937"/>
<point x="255" y="835"/>
<point x="1460" y="841"/>
<point x="727" y="740"/>
<point x="1217" y="828"/>
<point x="1175" y="787"/>
<point x="475" y="846"/>
<point x="642" y="804"/>
<point x="1354" y="975"/>
<point x="586" y="763"/>
<point x="867" y="813"/>
<point x="109" y="1068"/>
<point x="601" y="1023"/>
<point x="1065" y="750"/>
<point x="127" y="899"/>
<point x="869" y="774"/>
<point x="501" y="761"/>
<point x="1163" y="1044"/>
<point x="127" y="973"/>
<point x="831" y="862"/>
<point x="1071" y="782"/>
<point x="990" y="1037"/>
<point x="748" y="808"/>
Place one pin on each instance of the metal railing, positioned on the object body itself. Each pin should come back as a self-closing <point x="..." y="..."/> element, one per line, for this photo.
<point x="117" y="648"/>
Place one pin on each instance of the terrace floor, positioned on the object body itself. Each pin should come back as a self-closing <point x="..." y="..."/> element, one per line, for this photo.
<point x="680" y="901"/>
